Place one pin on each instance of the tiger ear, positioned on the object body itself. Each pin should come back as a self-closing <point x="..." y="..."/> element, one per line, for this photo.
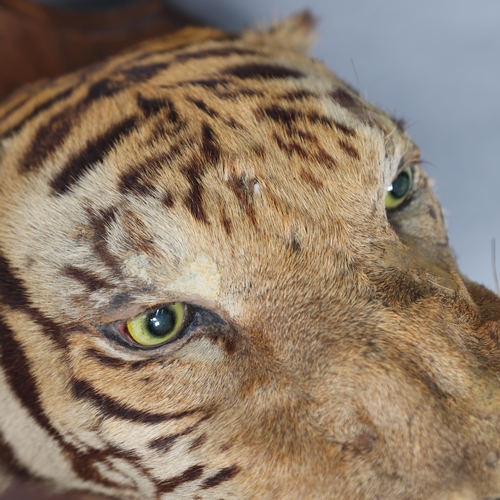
<point x="296" y="32"/>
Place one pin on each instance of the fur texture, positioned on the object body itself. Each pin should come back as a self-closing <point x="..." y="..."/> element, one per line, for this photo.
<point x="332" y="349"/>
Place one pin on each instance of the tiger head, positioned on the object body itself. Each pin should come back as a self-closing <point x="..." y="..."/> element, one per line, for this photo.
<point x="223" y="274"/>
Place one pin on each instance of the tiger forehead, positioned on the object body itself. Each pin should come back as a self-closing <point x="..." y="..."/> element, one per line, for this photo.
<point x="160" y="156"/>
<point x="233" y="85"/>
<point x="167" y="154"/>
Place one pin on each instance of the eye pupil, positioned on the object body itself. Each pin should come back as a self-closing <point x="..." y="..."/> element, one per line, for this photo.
<point x="161" y="322"/>
<point x="401" y="185"/>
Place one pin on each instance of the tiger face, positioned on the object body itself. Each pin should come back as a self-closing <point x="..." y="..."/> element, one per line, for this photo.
<point x="223" y="274"/>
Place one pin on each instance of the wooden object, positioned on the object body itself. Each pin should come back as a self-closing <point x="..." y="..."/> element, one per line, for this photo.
<point x="37" y="41"/>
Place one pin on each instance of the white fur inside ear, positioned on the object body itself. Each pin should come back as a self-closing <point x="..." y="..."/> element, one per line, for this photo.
<point x="295" y="32"/>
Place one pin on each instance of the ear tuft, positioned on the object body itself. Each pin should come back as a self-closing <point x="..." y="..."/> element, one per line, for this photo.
<point x="296" y="32"/>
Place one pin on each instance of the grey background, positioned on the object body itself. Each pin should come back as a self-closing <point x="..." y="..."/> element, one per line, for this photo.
<point x="435" y="63"/>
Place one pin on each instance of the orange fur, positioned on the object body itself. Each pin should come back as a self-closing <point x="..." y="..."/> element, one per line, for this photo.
<point x="333" y="348"/>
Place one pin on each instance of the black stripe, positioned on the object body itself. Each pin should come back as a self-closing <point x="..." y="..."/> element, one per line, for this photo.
<point x="144" y="73"/>
<point x="15" y="107"/>
<point x="12" y="291"/>
<point x="400" y="124"/>
<point x="349" y="99"/>
<point x="181" y="46"/>
<point x="167" y="200"/>
<point x="103" y="88"/>
<point x="325" y="158"/>
<point x="240" y="92"/>
<point x="94" y="152"/>
<point x="44" y="106"/>
<point x="105" y="360"/>
<point x="138" y="235"/>
<point x="349" y="149"/>
<point x="140" y="55"/>
<point x="85" y="463"/>
<point x="209" y="144"/>
<point x="47" y="139"/>
<point x="150" y="106"/>
<point x="226" y="223"/>
<point x="23" y="383"/>
<point x="290" y="147"/>
<point x="209" y="83"/>
<point x="140" y="179"/>
<point x="14" y="295"/>
<point x="164" y="444"/>
<point x="199" y="441"/>
<point x="9" y="460"/>
<point x="223" y="475"/>
<point x="111" y="362"/>
<point x="16" y="364"/>
<point x="88" y="279"/>
<point x="154" y="106"/>
<point x="315" y="117"/>
<point x="203" y="107"/>
<point x="298" y="95"/>
<point x="262" y="71"/>
<point x="133" y="182"/>
<point x="345" y="129"/>
<point x="194" y="199"/>
<point x="194" y="174"/>
<point x="101" y="221"/>
<point x="187" y="476"/>
<point x="173" y="116"/>
<point x="51" y="135"/>
<point x="112" y="408"/>
<point x="222" y="52"/>
<point x="13" y="359"/>
<point x="287" y="117"/>
<point x="21" y="380"/>
<point x="307" y="176"/>
<point x="242" y="191"/>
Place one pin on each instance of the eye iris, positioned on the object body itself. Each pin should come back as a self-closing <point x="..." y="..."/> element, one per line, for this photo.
<point x="157" y="326"/>
<point x="400" y="189"/>
<point x="161" y="322"/>
<point x="401" y="185"/>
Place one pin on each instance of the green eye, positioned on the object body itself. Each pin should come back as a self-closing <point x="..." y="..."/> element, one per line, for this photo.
<point x="399" y="190"/>
<point x="157" y="326"/>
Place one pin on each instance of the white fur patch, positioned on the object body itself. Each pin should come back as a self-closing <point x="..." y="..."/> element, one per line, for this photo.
<point x="137" y="265"/>
<point x="200" y="277"/>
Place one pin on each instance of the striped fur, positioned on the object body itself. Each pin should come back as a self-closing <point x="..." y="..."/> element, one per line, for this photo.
<point x="333" y="350"/>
